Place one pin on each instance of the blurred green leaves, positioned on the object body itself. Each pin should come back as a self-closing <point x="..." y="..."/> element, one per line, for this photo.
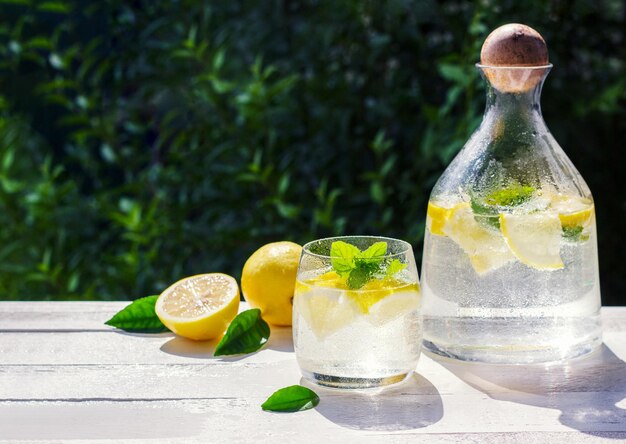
<point x="141" y="142"/>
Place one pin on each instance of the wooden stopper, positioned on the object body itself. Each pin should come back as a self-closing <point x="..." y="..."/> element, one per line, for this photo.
<point x="514" y="46"/>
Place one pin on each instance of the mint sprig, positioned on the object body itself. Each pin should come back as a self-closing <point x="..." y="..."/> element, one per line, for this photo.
<point x="359" y="267"/>
<point x="138" y="317"/>
<point x="486" y="207"/>
<point x="294" y="398"/>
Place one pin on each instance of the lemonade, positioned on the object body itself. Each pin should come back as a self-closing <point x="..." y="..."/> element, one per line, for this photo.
<point x="518" y="285"/>
<point x="352" y="332"/>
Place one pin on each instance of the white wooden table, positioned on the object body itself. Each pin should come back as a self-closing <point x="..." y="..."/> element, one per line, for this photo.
<point x="64" y="376"/>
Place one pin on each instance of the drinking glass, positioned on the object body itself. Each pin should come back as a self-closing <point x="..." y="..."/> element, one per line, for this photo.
<point x="356" y="312"/>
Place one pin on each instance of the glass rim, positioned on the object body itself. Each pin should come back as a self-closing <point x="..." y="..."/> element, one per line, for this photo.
<point x="406" y="247"/>
<point x="499" y="67"/>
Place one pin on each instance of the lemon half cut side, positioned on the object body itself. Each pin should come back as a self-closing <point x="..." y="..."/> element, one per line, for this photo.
<point x="199" y="307"/>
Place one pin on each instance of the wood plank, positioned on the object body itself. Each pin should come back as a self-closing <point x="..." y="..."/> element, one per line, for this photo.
<point x="88" y="315"/>
<point x="58" y="316"/>
<point x="93" y="379"/>
<point x="116" y="347"/>
<point x="475" y="397"/>
<point x="84" y="382"/>
<point x="113" y="347"/>
<point x="337" y="418"/>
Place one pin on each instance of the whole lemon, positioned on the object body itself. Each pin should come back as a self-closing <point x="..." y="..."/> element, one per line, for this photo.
<point x="268" y="280"/>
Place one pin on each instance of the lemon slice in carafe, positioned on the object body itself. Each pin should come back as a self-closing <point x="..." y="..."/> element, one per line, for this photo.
<point x="485" y="247"/>
<point x="535" y="238"/>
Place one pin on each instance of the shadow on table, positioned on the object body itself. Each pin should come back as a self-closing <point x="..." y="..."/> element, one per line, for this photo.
<point x="163" y="334"/>
<point x="188" y="348"/>
<point x="280" y="340"/>
<point x="414" y="404"/>
<point x="590" y="391"/>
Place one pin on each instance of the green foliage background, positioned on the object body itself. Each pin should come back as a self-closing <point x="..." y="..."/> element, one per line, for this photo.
<point x="142" y="141"/>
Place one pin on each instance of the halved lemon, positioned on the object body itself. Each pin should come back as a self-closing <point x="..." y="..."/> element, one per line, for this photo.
<point x="199" y="307"/>
<point x="485" y="247"/>
<point x="535" y="238"/>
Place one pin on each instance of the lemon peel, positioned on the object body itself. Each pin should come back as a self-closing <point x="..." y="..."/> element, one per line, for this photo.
<point x="268" y="279"/>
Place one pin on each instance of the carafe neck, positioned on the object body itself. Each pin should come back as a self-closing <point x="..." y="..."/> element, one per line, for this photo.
<point x="513" y="95"/>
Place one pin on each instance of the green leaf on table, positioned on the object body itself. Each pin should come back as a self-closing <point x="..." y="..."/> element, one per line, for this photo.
<point x="342" y="256"/>
<point x="138" y="317"/>
<point x="246" y="334"/>
<point x="294" y="398"/>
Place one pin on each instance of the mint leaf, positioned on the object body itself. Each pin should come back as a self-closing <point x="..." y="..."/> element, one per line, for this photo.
<point x="246" y="334"/>
<point x="358" y="267"/>
<point x="513" y="195"/>
<point x="574" y="233"/>
<point x="342" y="257"/>
<point x="487" y="207"/>
<point x="394" y="267"/>
<point x="378" y="249"/>
<point x="294" y="398"/>
<point x="364" y="270"/>
<point x="138" y="317"/>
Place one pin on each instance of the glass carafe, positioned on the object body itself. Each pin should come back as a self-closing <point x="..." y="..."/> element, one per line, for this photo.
<point x="510" y="265"/>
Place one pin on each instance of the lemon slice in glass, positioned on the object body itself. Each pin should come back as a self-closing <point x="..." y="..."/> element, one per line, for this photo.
<point x="485" y="247"/>
<point x="199" y="307"/>
<point x="326" y="311"/>
<point x="535" y="239"/>
<point x="400" y="302"/>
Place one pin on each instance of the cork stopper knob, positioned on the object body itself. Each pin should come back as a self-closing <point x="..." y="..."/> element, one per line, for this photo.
<point x="514" y="46"/>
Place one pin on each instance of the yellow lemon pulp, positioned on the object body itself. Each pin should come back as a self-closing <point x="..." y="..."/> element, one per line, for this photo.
<point x="199" y="307"/>
<point x="436" y="218"/>
<point x="328" y="304"/>
<point x="535" y="238"/>
<point x="268" y="280"/>
<point x="577" y="219"/>
<point x="573" y="211"/>
<point x="376" y="290"/>
<point x="326" y="312"/>
<point x="485" y="247"/>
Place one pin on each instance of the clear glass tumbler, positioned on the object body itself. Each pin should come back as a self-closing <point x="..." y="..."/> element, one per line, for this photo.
<point x="356" y="312"/>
